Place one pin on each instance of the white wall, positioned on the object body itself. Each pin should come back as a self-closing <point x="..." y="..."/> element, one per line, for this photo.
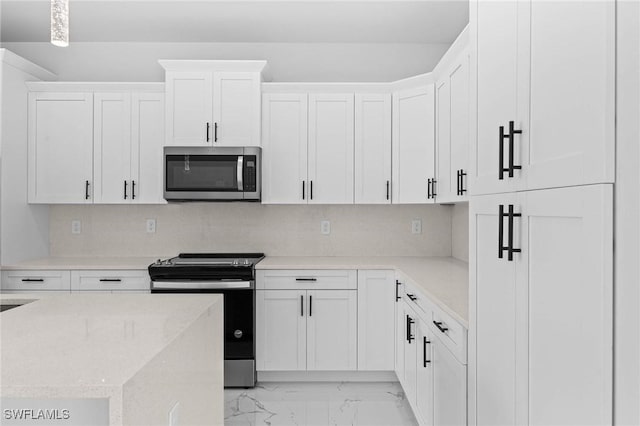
<point x="24" y="228"/>
<point x="627" y="219"/>
<point x="287" y="61"/>
<point x="460" y="231"/>
<point x="367" y="230"/>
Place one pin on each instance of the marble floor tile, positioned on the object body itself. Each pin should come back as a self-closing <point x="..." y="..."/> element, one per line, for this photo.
<point x="321" y="404"/>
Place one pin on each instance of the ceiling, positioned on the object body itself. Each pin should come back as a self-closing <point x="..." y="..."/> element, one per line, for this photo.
<point x="264" y="21"/>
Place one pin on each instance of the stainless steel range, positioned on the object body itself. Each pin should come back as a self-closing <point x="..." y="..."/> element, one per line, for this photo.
<point x="229" y="274"/>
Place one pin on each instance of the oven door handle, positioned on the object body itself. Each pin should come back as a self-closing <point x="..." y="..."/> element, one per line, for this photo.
<point x="239" y="172"/>
<point x="201" y="285"/>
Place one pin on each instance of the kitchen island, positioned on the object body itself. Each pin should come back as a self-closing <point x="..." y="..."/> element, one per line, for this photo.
<point x="152" y="359"/>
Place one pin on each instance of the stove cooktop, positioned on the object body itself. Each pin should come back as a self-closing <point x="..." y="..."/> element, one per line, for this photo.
<point x="199" y="266"/>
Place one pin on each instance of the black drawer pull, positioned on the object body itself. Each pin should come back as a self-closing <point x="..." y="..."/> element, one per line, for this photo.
<point x="110" y="280"/>
<point x="398" y="284"/>
<point x="310" y="305"/>
<point x="307" y="279"/>
<point x="86" y="189"/>
<point x="410" y="336"/>
<point x="32" y="280"/>
<point x="387" y="190"/>
<point x="425" y="361"/>
<point x="125" y="189"/>
<point x="208" y="126"/>
<point x="301" y="305"/>
<point x="303" y="190"/>
<point x="412" y="297"/>
<point x="133" y="189"/>
<point x="440" y="327"/>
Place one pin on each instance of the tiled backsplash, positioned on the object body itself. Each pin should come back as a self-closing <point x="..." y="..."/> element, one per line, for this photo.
<point x="368" y="230"/>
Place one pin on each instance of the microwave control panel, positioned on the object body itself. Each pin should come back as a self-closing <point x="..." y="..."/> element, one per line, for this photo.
<point x="249" y="173"/>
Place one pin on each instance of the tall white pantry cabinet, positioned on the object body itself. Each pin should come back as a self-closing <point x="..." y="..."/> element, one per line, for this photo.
<point x="541" y="212"/>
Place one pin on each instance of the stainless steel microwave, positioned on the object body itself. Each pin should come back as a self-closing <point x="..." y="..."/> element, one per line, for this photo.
<point x="211" y="174"/>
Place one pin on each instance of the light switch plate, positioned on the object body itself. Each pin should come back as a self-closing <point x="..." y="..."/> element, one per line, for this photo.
<point x="76" y="227"/>
<point x="151" y="226"/>
<point x="325" y="227"/>
<point x="416" y="226"/>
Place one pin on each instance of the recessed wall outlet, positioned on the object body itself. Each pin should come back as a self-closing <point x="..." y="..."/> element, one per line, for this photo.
<point x="76" y="227"/>
<point x="151" y="226"/>
<point x="416" y="226"/>
<point x="325" y="227"/>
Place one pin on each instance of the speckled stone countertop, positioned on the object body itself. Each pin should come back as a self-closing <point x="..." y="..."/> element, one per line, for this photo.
<point x="78" y="263"/>
<point x="444" y="280"/>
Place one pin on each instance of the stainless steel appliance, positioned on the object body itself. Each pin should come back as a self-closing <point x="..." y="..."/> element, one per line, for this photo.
<point x="229" y="274"/>
<point x="211" y="174"/>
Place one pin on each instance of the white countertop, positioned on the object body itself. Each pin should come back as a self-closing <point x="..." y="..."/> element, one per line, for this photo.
<point x="444" y="280"/>
<point x="79" y="263"/>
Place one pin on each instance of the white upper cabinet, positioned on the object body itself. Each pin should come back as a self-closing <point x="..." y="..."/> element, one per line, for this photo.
<point x="112" y="147"/>
<point x="331" y="148"/>
<point x="60" y="166"/>
<point x="147" y="141"/>
<point x="373" y="148"/>
<point x="545" y="76"/>
<point x="213" y="103"/>
<point x="413" y="145"/>
<point x="444" y="181"/>
<point x="284" y="154"/>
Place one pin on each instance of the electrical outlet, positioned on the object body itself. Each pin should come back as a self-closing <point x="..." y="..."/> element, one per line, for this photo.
<point x="416" y="226"/>
<point x="76" y="227"/>
<point x="325" y="227"/>
<point x="151" y="226"/>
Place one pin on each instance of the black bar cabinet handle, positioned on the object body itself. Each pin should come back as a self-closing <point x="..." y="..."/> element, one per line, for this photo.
<point x="500" y="230"/>
<point x="311" y="188"/>
<point x="501" y="168"/>
<point x="110" y="280"/>
<point x="387" y="190"/>
<point x="133" y="189"/>
<point x="215" y="132"/>
<point x="428" y="189"/>
<point x="306" y="279"/>
<point x="440" y="327"/>
<point x="412" y="297"/>
<point x="433" y="188"/>
<point x="409" y="335"/>
<point x="510" y="248"/>
<point x="425" y="342"/>
<point x="301" y="305"/>
<point x="208" y="127"/>
<point x="86" y="190"/>
<point x="398" y="284"/>
<point x="458" y="182"/>
<point x="303" y="190"/>
<point x="32" y="280"/>
<point x="512" y="132"/>
<point x="125" y="189"/>
<point x="462" y="188"/>
<point x="310" y="305"/>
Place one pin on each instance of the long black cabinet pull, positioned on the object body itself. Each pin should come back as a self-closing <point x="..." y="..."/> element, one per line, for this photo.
<point x="461" y="188"/>
<point x="86" y="190"/>
<point x="125" y="189"/>
<point x="425" y="361"/>
<point x="398" y="284"/>
<point x="306" y="279"/>
<point x="509" y="247"/>
<point x="301" y="305"/>
<point x="433" y="188"/>
<point x="409" y="335"/>
<point x="110" y="280"/>
<point x="303" y="190"/>
<point x="310" y="305"/>
<point x="440" y="327"/>
<point x="387" y="190"/>
<point x="311" y="189"/>
<point x="133" y="189"/>
<point x="215" y="132"/>
<point x="512" y="132"/>
<point x="510" y="138"/>
<point x="501" y="168"/>
<point x="501" y="216"/>
<point x="428" y="189"/>
<point x="207" y="132"/>
<point x="32" y="280"/>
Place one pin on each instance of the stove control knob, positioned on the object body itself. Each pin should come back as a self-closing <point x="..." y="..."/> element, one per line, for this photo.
<point x="246" y="262"/>
<point x="159" y="262"/>
<point x="235" y="262"/>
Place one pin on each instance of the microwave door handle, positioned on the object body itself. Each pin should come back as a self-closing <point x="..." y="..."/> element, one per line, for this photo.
<point x="239" y="171"/>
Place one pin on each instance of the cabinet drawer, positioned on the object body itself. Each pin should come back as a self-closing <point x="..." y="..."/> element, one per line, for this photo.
<point x="18" y="281"/>
<point x="450" y="332"/>
<point x="110" y="280"/>
<point x="307" y="279"/>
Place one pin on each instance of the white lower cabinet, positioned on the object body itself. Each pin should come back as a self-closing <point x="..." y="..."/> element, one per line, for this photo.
<point x="424" y="375"/>
<point x="33" y="281"/>
<point x="449" y="392"/>
<point x="110" y="281"/>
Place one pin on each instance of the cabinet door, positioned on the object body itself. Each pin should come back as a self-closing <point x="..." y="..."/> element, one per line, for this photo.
<point x="284" y="134"/>
<point x="424" y="375"/>
<point x="498" y="30"/>
<point x="373" y="149"/>
<point x="495" y="320"/>
<point x="572" y="88"/>
<point x="410" y="355"/>
<point x="445" y="186"/>
<point x="400" y="338"/>
<point x="281" y="338"/>
<point x="147" y="140"/>
<point x="112" y="148"/>
<point x="332" y="330"/>
<point x="566" y="272"/>
<point x="449" y="387"/>
<point x="459" y="124"/>
<point x="236" y="109"/>
<point x="413" y="144"/>
<point x="60" y="148"/>
<point x="331" y="121"/>
<point x="189" y="109"/>
<point x="376" y="318"/>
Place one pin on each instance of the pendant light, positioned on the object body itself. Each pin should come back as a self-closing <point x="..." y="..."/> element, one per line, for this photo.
<point x="60" y="23"/>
